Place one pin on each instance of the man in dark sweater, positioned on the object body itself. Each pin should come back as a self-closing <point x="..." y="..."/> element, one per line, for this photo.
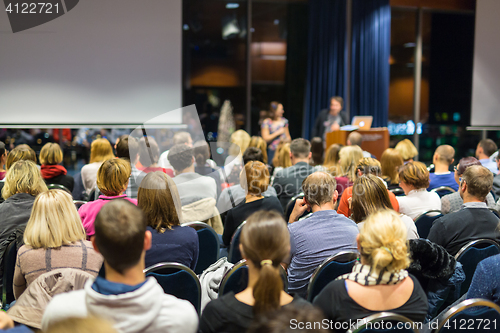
<point x="330" y="119"/>
<point x="474" y="220"/>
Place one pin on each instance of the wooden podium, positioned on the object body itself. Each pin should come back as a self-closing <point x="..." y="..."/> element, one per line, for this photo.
<point x="375" y="140"/>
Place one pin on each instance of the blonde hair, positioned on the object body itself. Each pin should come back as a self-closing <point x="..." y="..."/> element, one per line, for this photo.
<point x="51" y="154"/>
<point x="21" y="152"/>
<point x="259" y="142"/>
<point x="23" y="177"/>
<point x="349" y="158"/>
<point x="382" y="241"/>
<point x="390" y="161"/>
<point x="254" y="178"/>
<point x="112" y="176"/>
<point x="406" y="149"/>
<point x="282" y="156"/>
<point x="332" y="159"/>
<point x="240" y="141"/>
<point x="414" y="174"/>
<point x="101" y="150"/>
<point x="81" y="325"/>
<point x="54" y="221"/>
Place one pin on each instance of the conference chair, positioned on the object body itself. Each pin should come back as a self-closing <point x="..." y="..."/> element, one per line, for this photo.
<point x="291" y="204"/>
<point x="399" y="192"/>
<point x="58" y="187"/>
<point x="236" y="279"/>
<point x="331" y="268"/>
<point x="209" y="245"/>
<point x="471" y="316"/>
<point x="443" y="190"/>
<point x="79" y="203"/>
<point x="9" y="265"/>
<point x="178" y="280"/>
<point x="424" y="222"/>
<point x="234" y="255"/>
<point x="384" y="322"/>
<point x="471" y="254"/>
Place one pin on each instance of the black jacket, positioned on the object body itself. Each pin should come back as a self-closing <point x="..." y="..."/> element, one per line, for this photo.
<point x="288" y="182"/>
<point x="319" y="126"/>
<point x="64" y="180"/>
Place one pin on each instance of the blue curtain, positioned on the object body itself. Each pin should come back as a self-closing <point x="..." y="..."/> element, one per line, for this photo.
<point x="326" y="58"/>
<point x="371" y="43"/>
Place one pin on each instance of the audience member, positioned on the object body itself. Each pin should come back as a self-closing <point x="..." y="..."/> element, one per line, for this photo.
<point x="371" y="195"/>
<point x="51" y="156"/>
<point x="254" y="179"/>
<point x="414" y="180"/>
<point x="3" y="160"/>
<point x="159" y="200"/>
<point x="275" y="128"/>
<point x="124" y="296"/>
<point x="442" y="159"/>
<point x="486" y="280"/>
<point x="100" y="151"/>
<point x="191" y="186"/>
<point x="486" y="148"/>
<point x="82" y="325"/>
<point x="349" y="158"/>
<point x="496" y="179"/>
<point x="317" y="151"/>
<point x="474" y="220"/>
<point x="180" y="138"/>
<point x="234" y="195"/>
<point x="366" y="166"/>
<point x="21" y="152"/>
<point x="355" y="139"/>
<point x="112" y="180"/>
<point x="281" y="158"/>
<point x="233" y="163"/>
<point x="204" y="165"/>
<point x="452" y="202"/>
<point x="330" y="119"/>
<point x="260" y="143"/>
<point x="287" y="182"/>
<point x="149" y="154"/>
<point x="54" y="238"/>
<point x="7" y="325"/>
<point x="407" y="150"/>
<point x="332" y="158"/>
<point x="319" y="236"/>
<point x="390" y="162"/>
<point x="264" y="243"/>
<point x="127" y="148"/>
<point x="379" y="282"/>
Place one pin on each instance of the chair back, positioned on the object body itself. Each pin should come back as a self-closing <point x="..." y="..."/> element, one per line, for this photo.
<point x="291" y="204"/>
<point x="330" y="269"/>
<point x="399" y="192"/>
<point x="471" y="254"/>
<point x="9" y="265"/>
<point x="58" y="187"/>
<point x="472" y="315"/>
<point x="384" y="322"/>
<point x="443" y="190"/>
<point x="79" y="203"/>
<point x="424" y="222"/>
<point x="236" y="279"/>
<point x="234" y="255"/>
<point x="209" y="245"/>
<point x="178" y="280"/>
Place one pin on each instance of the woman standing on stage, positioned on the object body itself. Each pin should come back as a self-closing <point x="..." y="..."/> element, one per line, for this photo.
<point x="275" y="129"/>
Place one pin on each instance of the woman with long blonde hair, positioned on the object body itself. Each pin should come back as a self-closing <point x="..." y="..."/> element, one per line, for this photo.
<point x="258" y="142"/>
<point x="349" y="158"/>
<point x="332" y="157"/>
<point x="234" y="162"/>
<point x="100" y="151"/>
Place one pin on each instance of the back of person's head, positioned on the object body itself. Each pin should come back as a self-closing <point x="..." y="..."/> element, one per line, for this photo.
<point x="240" y="141"/>
<point x="23" y="177"/>
<point x="406" y="149"/>
<point x="349" y="158"/>
<point x="382" y="241"/>
<point x="113" y="176"/>
<point x="100" y="150"/>
<point x="369" y="195"/>
<point x="159" y="200"/>
<point x="355" y="139"/>
<point x="290" y="319"/>
<point x="390" y="162"/>
<point x="21" y="152"/>
<point x="414" y="174"/>
<point x="466" y="162"/>
<point x="201" y="152"/>
<point x="54" y="221"/>
<point x="265" y="242"/>
<point x="368" y="165"/>
<point x="181" y="138"/>
<point x="51" y="154"/>
<point x="479" y="181"/>
<point x="119" y="234"/>
<point x="282" y="156"/>
<point x="445" y="154"/>
<point x="149" y="153"/>
<point x="259" y="142"/>
<point x="126" y="145"/>
<point x="489" y="146"/>
<point x="332" y="155"/>
<point x="81" y="325"/>
<point x="319" y="188"/>
<point x="253" y="154"/>
<point x="317" y="151"/>
<point x="254" y="178"/>
<point x="300" y="148"/>
<point x="3" y="151"/>
<point x="180" y="157"/>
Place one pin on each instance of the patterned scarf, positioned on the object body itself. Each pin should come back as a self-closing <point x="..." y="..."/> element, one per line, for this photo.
<point x="368" y="276"/>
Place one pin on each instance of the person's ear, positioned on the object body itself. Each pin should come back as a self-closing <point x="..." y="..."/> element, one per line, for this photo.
<point x="291" y="155"/>
<point x="335" y="196"/>
<point x="92" y="240"/>
<point x="452" y="160"/>
<point x="357" y="244"/>
<point x="148" y="240"/>
<point x="309" y="156"/>
<point x="360" y="173"/>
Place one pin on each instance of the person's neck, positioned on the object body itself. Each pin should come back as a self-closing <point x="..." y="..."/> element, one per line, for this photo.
<point x="325" y="206"/>
<point x="253" y="276"/>
<point x="187" y="170"/>
<point x="441" y="167"/>
<point x="333" y="113"/>
<point x="298" y="160"/>
<point x="252" y="197"/>
<point x="482" y="156"/>
<point x="132" y="276"/>
<point x="469" y="198"/>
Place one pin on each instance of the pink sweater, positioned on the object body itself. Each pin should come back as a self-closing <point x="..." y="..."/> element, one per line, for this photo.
<point x="88" y="212"/>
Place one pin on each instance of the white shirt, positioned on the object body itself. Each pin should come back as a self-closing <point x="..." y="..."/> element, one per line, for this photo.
<point x="418" y="201"/>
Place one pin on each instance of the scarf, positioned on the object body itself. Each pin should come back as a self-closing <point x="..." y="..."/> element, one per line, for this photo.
<point x="51" y="171"/>
<point x="368" y="276"/>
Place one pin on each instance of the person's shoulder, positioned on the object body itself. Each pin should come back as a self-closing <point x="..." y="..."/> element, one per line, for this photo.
<point x="65" y="305"/>
<point x="266" y="122"/>
<point x="177" y="307"/>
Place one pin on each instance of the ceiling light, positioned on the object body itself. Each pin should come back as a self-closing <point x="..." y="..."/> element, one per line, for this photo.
<point x="232" y="5"/>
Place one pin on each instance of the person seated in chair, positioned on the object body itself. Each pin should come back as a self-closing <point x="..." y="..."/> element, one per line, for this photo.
<point x="124" y="296"/>
<point x="486" y="148"/>
<point x="442" y="159"/>
<point x="51" y="156"/>
<point x="486" y="280"/>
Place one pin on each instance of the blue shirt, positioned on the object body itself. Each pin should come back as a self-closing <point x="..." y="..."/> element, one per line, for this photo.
<point x="486" y="280"/>
<point x="444" y="179"/>
<point x="105" y="287"/>
<point x="314" y="239"/>
<point x="491" y="165"/>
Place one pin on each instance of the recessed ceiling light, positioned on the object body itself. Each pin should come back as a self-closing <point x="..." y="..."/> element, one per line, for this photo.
<point x="232" y="5"/>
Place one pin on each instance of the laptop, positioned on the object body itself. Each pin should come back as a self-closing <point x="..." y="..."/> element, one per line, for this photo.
<point x="362" y="122"/>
